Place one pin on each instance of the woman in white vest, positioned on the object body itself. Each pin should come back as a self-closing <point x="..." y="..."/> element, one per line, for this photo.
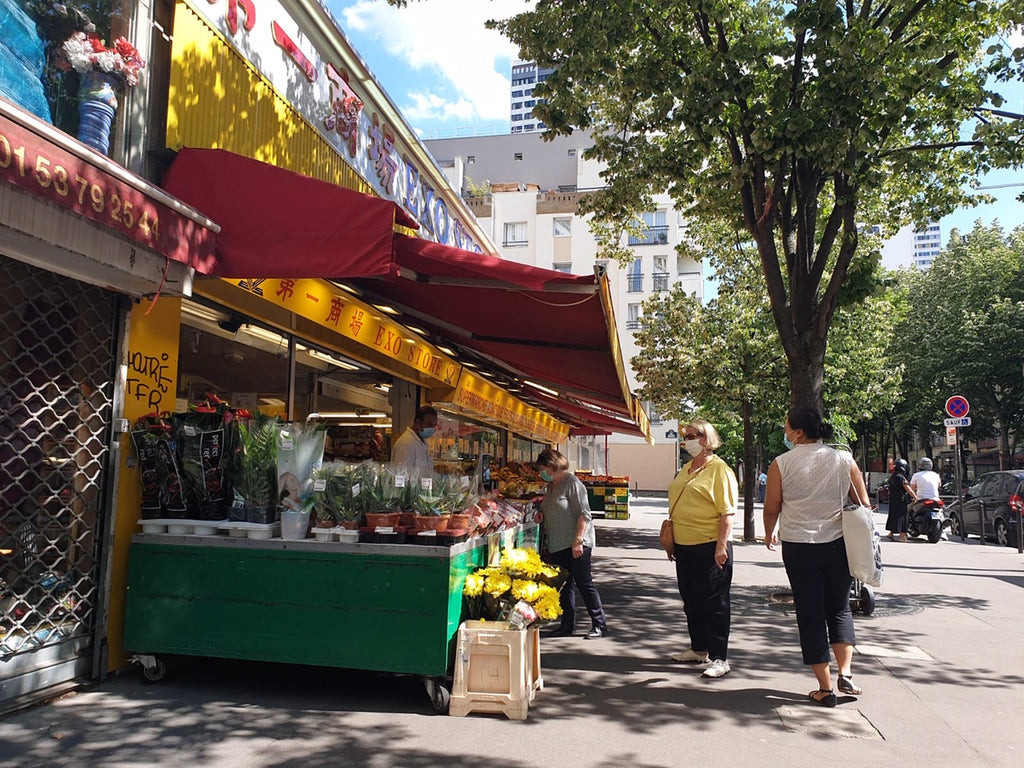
<point x="807" y="489"/>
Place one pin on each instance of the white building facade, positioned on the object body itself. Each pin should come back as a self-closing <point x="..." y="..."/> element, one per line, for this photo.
<point x="527" y="194"/>
<point x="911" y="247"/>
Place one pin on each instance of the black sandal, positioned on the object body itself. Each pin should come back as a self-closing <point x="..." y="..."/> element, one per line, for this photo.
<point x="846" y="685"/>
<point x="828" y="700"/>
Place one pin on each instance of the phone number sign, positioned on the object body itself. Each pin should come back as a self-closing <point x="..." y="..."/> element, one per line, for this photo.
<point x="38" y="166"/>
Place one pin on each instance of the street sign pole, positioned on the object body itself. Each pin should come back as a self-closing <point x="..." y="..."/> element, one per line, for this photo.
<point x="959" y="483"/>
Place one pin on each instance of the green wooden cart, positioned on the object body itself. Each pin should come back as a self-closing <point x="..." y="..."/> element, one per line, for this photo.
<point x="383" y="607"/>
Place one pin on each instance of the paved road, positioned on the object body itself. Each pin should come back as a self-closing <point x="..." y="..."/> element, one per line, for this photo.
<point x="941" y="662"/>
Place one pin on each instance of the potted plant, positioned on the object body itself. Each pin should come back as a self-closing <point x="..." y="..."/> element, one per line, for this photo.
<point x="428" y="504"/>
<point x="254" y="468"/>
<point x="103" y="73"/>
<point x="376" y="498"/>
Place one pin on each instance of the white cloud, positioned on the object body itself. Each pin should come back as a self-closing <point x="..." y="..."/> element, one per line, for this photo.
<point x="460" y="70"/>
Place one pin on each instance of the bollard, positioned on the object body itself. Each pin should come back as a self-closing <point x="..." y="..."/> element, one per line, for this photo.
<point x="981" y="519"/>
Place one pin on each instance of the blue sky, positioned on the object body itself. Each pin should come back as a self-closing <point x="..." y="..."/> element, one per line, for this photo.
<point x="450" y="76"/>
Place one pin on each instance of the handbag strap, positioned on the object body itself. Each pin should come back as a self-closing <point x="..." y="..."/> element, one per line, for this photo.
<point x="673" y="507"/>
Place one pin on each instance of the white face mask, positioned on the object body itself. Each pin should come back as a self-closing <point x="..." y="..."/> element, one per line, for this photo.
<point x="693" y="447"/>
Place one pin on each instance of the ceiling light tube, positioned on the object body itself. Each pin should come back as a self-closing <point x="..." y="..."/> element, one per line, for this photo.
<point x="541" y="387"/>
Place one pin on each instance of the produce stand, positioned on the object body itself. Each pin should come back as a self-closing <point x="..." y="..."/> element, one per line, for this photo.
<point x="608" y="495"/>
<point x="382" y="607"/>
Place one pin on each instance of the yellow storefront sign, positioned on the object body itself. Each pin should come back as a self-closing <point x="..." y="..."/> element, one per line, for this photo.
<point x="478" y="395"/>
<point x="327" y="306"/>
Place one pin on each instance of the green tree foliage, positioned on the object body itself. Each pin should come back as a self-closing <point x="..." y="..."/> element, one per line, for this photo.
<point x="724" y="359"/>
<point x="964" y="334"/>
<point x="796" y="121"/>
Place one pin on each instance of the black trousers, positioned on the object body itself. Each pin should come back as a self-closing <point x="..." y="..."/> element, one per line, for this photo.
<point x="819" y="575"/>
<point x="580" y="578"/>
<point x="705" y="588"/>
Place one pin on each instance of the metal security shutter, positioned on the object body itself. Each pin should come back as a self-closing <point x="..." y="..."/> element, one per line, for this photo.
<point x="57" y="375"/>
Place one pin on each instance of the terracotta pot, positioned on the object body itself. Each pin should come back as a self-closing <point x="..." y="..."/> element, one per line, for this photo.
<point x="408" y="519"/>
<point x="349" y="525"/>
<point x="378" y="519"/>
<point x="329" y="523"/>
<point x="459" y="521"/>
<point x="431" y="522"/>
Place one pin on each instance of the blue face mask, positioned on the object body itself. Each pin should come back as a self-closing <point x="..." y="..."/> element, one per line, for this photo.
<point x="789" y="443"/>
<point x="546" y="476"/>
<point x="426" y="432"/>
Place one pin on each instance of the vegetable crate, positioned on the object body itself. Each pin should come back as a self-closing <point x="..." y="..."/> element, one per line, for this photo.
<point x="497" y="669"/>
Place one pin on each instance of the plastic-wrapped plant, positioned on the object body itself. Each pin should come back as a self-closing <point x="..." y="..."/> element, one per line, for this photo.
<point x="332" y="492"/>
<point x="428" y="500"/>
<point x="300" y="450"/>
<point x="388" y="491"/>
<point x="255" y="465"/>
<point x="456" y="496"/>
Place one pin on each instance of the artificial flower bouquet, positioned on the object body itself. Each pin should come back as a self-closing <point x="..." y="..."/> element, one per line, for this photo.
<point x="521" y="589"/>
<point x="85" y="52"/>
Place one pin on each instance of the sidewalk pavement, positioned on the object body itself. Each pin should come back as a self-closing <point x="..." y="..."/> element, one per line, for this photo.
<point x="940" y="661"/>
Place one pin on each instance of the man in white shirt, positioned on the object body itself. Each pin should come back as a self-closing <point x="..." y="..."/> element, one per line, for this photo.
<point x="926" y="483"/>
<point x="410" y="449"/>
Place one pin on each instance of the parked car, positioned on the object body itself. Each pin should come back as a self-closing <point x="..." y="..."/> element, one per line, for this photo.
<point x="1001" y="494"/>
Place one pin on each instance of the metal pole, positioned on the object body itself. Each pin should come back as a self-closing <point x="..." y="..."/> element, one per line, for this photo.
<point x="959" y="483"/>
<point x="981" y="521"/>
<point x="1020" y="533"/>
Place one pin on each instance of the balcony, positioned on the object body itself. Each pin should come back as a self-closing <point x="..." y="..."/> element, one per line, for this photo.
<point x="660" y="281"/>
<point x="634" y="325"/>
<point x="651" y="236"/>
<point x="634" y="283"/>
<point x="515" y="243"/>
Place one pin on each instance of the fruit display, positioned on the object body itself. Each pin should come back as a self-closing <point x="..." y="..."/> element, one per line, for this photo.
<point x="517" y="480"/>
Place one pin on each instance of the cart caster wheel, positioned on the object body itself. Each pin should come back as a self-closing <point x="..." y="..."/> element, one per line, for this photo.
<point x="440" y="697"/>
<point x="153" y="669"/>
<point x="867" y="601"/>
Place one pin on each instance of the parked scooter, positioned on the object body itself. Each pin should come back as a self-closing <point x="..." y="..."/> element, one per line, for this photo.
<point x="927" y="516"/>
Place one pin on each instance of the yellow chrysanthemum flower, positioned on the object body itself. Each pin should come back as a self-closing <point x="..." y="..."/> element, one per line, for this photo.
<point x="547" y="606"/>
<point x="474" y="585"/>
<point x="523" y="589"/>
<point x="498" y="584"/>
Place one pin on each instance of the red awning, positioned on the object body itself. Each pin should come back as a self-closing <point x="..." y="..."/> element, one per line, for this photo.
<point x="545" y="326"/>
<point x="277" y="223"/>
<point x="552" y="328"/>
<point x="587" y="420"/>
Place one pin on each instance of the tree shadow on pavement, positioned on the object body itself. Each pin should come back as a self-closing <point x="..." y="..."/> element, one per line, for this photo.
<point x="300" y="716"/>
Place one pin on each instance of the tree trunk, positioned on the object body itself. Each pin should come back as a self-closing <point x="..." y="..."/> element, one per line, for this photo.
<point x="750" y="473"/>
<point x="806" y="376"/>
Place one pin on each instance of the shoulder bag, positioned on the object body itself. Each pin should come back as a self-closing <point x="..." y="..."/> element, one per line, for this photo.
<point x="863" y="543"/>
<point x="667" y="537"/>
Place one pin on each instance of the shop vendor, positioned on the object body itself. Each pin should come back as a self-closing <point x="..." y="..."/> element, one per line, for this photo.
<point x="410" y="450"/>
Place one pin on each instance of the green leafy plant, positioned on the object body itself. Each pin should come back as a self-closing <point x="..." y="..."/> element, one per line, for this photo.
<point x="256" y="460"/>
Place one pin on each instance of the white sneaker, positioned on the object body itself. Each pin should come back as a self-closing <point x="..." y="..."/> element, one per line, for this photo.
<point x="690" y="656"/>
<point x="717" y="668"/>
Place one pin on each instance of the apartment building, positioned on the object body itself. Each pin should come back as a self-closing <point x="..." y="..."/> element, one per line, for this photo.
<point x="525" y="193"/>
<point x="525" y="77"/>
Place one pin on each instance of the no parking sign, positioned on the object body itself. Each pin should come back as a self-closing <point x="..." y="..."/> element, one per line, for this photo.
<point x="957" y="406"/>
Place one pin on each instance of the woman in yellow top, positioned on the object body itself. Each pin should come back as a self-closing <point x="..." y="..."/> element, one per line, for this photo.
<point x="702" y="501"/>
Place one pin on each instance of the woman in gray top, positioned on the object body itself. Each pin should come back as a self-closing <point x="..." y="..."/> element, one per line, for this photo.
<point x="569" y="533"/>
<point x="807" y="489"/>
